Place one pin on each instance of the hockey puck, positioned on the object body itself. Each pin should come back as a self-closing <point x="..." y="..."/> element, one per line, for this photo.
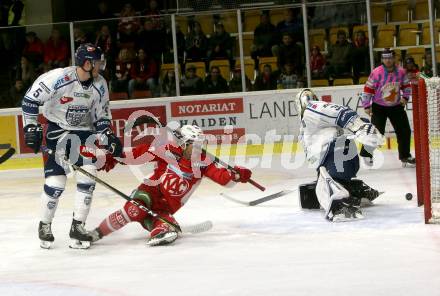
<point x="408" y="196"/>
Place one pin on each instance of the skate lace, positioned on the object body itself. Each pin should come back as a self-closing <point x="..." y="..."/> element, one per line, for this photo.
<point x="46" y="228"/>
<point x="80" y="228"/>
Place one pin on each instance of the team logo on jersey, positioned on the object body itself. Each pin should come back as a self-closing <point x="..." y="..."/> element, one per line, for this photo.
<point x="76" y="114"/>
<point x="174" y="185"/>
<point x="81" y="95"/>
<point x="61" y="81"/>
<point x="65" y="100"/>
<point x="390" y="92"/>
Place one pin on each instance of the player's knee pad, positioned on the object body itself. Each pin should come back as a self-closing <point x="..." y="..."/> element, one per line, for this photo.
<point x="328" y="191"/>
<point x="54" y="186"/>
<point x="134" y="213"/>
<point x="307" y="196"/>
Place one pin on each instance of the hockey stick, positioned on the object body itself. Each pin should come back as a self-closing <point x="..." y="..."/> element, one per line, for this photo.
<point x="8" y="154"/>
<point x="111" y="188"/>
<point x="259" y="200"/>
<point x="152" y="120"/>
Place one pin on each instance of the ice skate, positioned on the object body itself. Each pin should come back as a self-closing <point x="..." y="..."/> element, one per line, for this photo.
<point x="409" y="162"/>
<point x="162" y="235"/>
<point x="346" y="213"/>
<point x="80" y="238"/>
<point x="161" y="239"/>
<point x="45" y="235"/>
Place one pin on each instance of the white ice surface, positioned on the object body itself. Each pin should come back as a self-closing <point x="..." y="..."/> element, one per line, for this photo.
<point x="272" y="249"/>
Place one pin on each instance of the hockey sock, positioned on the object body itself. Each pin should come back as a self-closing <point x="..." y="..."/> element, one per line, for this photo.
<point x="53" y="188"/>
<point x="113" y="222"/>
<point x="83" y="201"/>
<point x="83" y="196"/>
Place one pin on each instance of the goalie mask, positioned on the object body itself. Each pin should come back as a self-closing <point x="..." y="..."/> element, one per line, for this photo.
<point x="303" y="98"/>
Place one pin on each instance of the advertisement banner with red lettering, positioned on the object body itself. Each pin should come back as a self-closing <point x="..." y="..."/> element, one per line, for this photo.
<point x="213" y="116"/>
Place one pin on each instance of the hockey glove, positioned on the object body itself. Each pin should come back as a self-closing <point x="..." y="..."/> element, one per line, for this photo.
<point x="369" y="136"/>
<point x="241" y="174"/>
<point x="114" y="145"/>
<point x="33" y="136"/>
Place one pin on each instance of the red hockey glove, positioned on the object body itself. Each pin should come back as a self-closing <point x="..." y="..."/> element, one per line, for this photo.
<point x="241" y="174"/>
<point x="110" y="161"/>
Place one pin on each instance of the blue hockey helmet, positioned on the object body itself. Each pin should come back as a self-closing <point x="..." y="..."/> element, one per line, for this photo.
<point x="89" y="52"/>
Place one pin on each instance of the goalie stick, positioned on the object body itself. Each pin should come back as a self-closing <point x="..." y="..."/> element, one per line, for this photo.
<point x="8" y="154"/>
<point x="153" y="120"/>
<point x="257" y="201"/>
<point x="111" y="188"/>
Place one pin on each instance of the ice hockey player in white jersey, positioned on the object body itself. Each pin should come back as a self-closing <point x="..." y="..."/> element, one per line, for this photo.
<point x="75" y="104"/>
<point x="327" y="133"/>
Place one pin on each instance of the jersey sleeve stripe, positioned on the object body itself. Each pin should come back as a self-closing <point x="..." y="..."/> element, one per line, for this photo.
<point x="29" y="107"/>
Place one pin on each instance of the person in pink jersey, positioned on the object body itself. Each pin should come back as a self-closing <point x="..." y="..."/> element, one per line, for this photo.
<point x="385" y="96"/>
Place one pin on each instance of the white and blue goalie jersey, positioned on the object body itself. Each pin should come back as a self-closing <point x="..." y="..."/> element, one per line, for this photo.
<point x="321" y="124"/>
<point x="66" y="102"/>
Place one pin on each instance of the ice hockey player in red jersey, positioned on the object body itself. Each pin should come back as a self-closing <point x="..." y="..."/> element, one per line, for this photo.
<point x="179" y="169"/>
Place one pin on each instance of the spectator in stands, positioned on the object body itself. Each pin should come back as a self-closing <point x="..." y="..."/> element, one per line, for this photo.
<point x="360" y="55"/>
<point x="220" y="45"/>
<point x="103" y="11"/>
<point x="143" y="74"/>
<point x="27" y="73"/>
<point x="289" y="77"/>
<point x="168" y="87"/>
<point x="145" y="40"/>
<point x="289" y="51"/>
<point x="123" y="67"/>
<point x="411" y="69"/>
<point x="427" y="68"/>
<point x="266" y="80"/>
<point x="235" y="82"/>
<point x="317" y="62"/>
<point x="105" y="41"/>
<point x="215" y="83"/>
<point x="168" y="54"/>
<point x="12" y="97"/>
<point x="152" y="10"/>
<point x="34" y="49"/>
<point x="80" y="37"/>
<point x="16" y="8"/>
<point x="191" y="84"/>
<point x="196" y="44"/>
<point x="339" y="57"/>
<point x="264" y="39"/>
<point x="56" y="51"/>
<point x="292" y="25"/>
<point x="128" y="25"/>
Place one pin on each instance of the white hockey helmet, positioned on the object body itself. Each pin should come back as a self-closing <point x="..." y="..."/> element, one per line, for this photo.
<point x="303" y="98"/>
<point x="190" y="134"/>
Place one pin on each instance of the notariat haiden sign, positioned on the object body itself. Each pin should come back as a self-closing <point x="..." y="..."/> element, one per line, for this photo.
<point x="207" y="107"/>
<point x="212" y="115"/>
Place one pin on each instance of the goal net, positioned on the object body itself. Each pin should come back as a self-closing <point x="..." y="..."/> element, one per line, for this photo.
<point x="426" y="112"/>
